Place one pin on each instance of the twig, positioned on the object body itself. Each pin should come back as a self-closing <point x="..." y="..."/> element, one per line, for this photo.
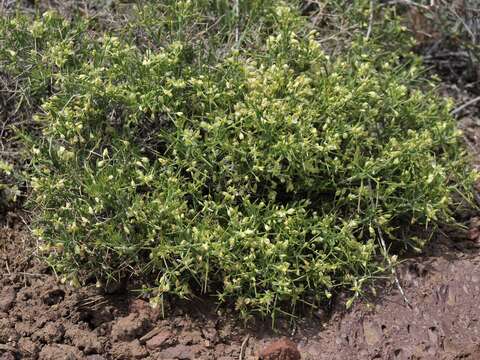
<point x="150" y="335"/>
<point x="467" y="104"/>
<point x="242" y="348"/>
<point x="409" y="3"/>
<point x="370" y="21"/>
<point x="385" y="254"/>
<point x="25" y="274"/>
<point x="201" y="33"/>
<point x="462" y="21"/>
<point x="236" y="9"/>
<point x="392" y="268"/>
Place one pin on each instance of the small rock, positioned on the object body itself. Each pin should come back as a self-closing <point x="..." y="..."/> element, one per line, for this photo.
<point x="159" y="340"/>
<point x="7" y="299"/>
<point x="283" y="349"/>
<point x="60" y="352"/>
<point x="129" y="350"/>
<point x="130" y="327"/>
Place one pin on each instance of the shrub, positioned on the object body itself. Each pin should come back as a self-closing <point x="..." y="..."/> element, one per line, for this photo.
<point x="262" y="174"/>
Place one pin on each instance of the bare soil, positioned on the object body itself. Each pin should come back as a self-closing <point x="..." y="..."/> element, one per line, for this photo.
<point x="41" y="318"/>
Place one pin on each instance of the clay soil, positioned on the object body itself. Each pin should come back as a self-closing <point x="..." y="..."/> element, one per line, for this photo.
<point x="41" y="318"/>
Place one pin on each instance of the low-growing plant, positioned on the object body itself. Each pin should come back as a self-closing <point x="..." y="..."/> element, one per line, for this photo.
<point x="262" y="173"/>
<point x="8" y="191"/>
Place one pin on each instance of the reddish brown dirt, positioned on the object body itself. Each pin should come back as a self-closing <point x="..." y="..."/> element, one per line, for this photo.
<point x="43" y="319"/>
<point x="282" y="349"/>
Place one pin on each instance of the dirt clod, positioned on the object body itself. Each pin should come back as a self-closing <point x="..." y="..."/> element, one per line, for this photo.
<point x="190" y="337"/>
<point x="7" y="298"/>
<point x="7" y="333"/>
<point x="163" y="338"/>
<point x="130" y="327"/>
<point x="51" y="333"/>
<point x="129" y="350"/>
<point x="283" y="349"/>
<point x="27" y="348"/>
<point x="24" y="328"/>
<point x="60" y="352"/>
<point x="85" y="340"/>
<point x="140" y="306"/>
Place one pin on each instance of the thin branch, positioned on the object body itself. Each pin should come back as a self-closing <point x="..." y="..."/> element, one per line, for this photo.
<point x="385" y="254"/>
<point x="392" y="268"/>
<point x="236" y="9"/>
<point x="242" y="348"/>
<point x="409" y="3"/>
<point x="467" y="104"/>
<point x="25" y="274"/>
<point x="370" y="21"/>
